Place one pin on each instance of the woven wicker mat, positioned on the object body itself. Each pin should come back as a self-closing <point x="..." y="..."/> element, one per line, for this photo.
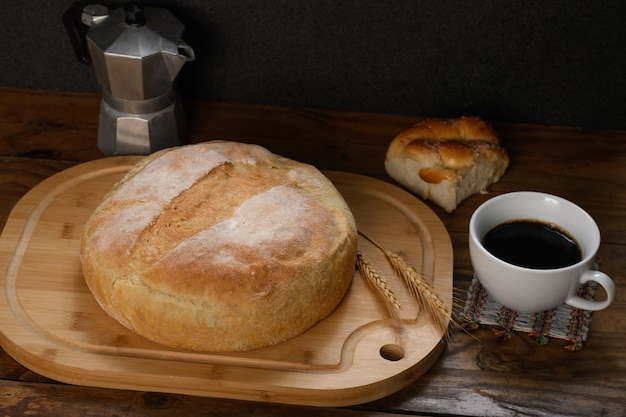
<point x="563" y="322"/>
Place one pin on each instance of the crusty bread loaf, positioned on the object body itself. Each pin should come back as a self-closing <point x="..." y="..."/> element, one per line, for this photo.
<point x="220" y="246"/>
<point x="447" y="160"/>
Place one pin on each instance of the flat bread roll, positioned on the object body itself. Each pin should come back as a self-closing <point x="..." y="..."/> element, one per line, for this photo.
<point x="447" y="160"/>
<point x="220" y="246"/>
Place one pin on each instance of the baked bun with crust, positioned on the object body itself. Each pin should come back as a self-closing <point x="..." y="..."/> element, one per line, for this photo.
<point x="447" y="160"/>
<point x="220" y="246"/>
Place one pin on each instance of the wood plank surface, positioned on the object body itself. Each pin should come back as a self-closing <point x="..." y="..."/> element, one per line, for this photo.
<point x="43" y="132"/>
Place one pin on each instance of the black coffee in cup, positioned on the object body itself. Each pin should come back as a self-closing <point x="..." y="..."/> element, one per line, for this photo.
<point x="532" y="244"/>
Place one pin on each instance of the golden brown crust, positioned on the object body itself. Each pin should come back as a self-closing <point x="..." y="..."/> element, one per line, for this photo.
<point x="434" y="175"/>
<point x="220" y="246"/>
<point x="446" y="160"/>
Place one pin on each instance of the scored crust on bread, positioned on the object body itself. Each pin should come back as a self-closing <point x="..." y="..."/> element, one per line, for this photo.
<point x="220" y="246"/>
<point x="447" y="160"/>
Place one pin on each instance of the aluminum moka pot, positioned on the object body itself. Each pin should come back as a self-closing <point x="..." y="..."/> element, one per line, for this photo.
<point x="137" y="53"/>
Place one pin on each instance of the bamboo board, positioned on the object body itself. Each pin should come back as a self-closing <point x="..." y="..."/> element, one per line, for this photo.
<point x="50" y="322"/>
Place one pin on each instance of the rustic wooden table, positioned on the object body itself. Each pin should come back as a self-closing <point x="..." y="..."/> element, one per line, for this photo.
<point x="44" y="132"/>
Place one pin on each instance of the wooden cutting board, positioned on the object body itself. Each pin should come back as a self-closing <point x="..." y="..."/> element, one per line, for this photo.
<point x="50" y="322"/>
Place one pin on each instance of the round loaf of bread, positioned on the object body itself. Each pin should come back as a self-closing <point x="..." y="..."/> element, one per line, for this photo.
<point x="220" y="246"/>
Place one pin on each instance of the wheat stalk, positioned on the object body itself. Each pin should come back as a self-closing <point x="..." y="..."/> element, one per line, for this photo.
<point x="421" y="288"/>
<point x="376" y="280"/>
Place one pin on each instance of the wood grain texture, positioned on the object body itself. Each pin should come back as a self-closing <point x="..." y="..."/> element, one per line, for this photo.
<point x="476" y="374"/>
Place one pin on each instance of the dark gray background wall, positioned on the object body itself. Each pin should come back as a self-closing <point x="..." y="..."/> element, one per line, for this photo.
<point x="550" y="62"/>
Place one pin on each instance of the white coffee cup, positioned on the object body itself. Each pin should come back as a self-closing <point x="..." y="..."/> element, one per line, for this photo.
<point x="535" y="290"/>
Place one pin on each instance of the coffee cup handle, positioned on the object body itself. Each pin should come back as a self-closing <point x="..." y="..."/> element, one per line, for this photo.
<point x="605" y="281"/>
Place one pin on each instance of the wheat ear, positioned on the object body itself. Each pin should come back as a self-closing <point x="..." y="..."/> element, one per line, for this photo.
<point x="421" y="288"/>
<point x="423" y="291"/>
<point x="376" y="280"/>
